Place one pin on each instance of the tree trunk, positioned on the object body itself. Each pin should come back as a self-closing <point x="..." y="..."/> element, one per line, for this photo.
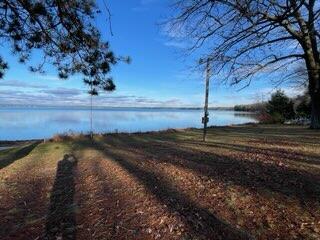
<point x="313" y="67"/>
<point x="315" y="111"/>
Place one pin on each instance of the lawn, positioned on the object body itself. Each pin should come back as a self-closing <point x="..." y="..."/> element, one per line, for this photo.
<point x="245" y="182"/>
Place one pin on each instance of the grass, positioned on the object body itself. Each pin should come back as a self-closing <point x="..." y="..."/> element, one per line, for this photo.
<point x="10" y="155"/>
<point x="245" y="182"/>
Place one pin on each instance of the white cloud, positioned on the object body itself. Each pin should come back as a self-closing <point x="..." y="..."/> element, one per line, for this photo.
<point x="20" y="84"/>
<point x="63" y="91"/>
<point x="49" y="77"/>
<point x="264" y="94"/>
<point x="76" y="97"/>
<point x="54" y="77"/>
<point x="175" y="44"/>
<point x="144" y="5"/>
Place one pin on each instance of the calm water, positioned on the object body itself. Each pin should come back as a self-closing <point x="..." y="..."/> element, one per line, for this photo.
<point x="21" y="124"/>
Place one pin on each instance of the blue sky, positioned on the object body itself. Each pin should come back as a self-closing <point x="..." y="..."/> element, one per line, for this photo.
<point x="157" y="77"/>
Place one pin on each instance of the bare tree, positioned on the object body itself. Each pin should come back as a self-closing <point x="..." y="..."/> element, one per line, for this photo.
<point x="247" y="37"/>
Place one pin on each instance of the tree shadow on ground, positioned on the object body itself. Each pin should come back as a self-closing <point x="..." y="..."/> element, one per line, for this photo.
<point x="302" y="185"/>
<point x="291" y="134"/>
<point x="16" y="154"/>
<point x="300" y="135"/>
<point x="61" y="222"/>
<point x="199" y="221"/>
<point x="195" y="142"/>
<point x="289" y="155"/>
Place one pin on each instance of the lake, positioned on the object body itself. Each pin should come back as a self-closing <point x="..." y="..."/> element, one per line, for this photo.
<point x="39" y="123"/>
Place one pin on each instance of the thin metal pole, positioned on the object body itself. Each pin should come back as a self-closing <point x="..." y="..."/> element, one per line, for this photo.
<point x="206" y="113"/>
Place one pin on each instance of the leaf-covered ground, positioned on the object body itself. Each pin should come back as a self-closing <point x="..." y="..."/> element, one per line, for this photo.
<point x="245" y="182"/>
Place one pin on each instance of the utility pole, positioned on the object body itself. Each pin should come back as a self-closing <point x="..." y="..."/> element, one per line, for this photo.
<point x="205" y="118"/>
<point x="91" y="106"/>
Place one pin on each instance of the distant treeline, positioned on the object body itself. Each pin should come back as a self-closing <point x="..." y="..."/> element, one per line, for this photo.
<point x="255" y="107"/>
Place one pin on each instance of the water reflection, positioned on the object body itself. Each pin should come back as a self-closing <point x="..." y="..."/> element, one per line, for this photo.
<point x="42" y="123"/>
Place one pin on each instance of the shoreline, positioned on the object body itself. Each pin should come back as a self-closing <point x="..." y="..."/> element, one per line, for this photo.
<point x="10" y="143"/>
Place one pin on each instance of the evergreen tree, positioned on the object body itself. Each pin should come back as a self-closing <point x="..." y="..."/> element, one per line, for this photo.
<point x="280" y="107"/>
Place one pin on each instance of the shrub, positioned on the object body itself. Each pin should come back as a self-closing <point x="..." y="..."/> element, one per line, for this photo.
<point x="264" y="117"/>
<point x="67" y="137"/>
<point x="267" y="118"/>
